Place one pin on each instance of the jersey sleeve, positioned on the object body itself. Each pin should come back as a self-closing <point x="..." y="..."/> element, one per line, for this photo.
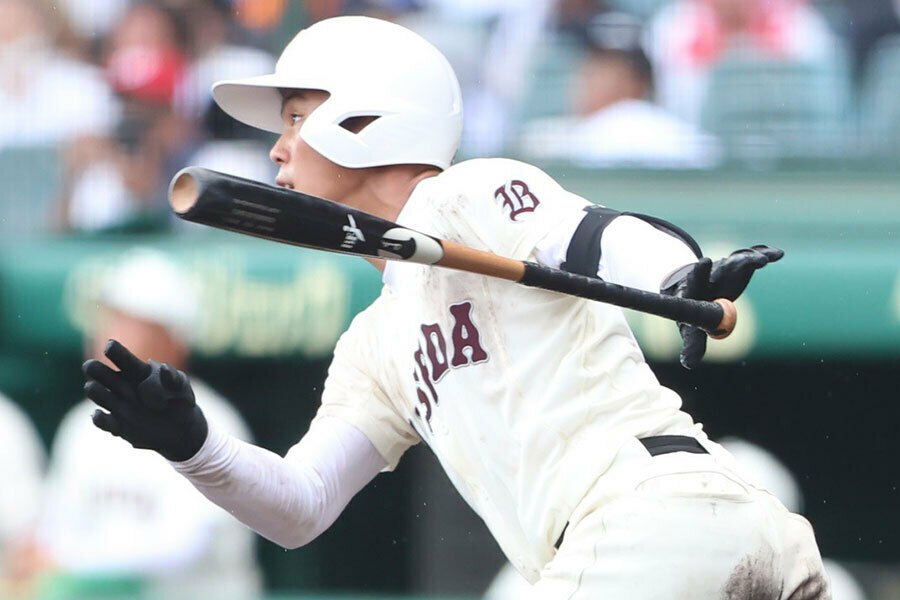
<point x="354" y="394"/>
<point x="505" y="206"/>
<point x="619" y="248"/>
<point x="636" y="254"/>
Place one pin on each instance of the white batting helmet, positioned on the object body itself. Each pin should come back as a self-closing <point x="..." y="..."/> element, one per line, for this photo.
<point x="369" y="67"/>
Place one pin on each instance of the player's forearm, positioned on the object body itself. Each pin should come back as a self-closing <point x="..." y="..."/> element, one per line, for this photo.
<point x="258" y="487"/>
<point x="288" y="500"/>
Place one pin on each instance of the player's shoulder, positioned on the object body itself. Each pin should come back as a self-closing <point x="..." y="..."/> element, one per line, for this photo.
<point x="492" y="189"/>
<point x="497" y="204"/>
<point x="489" y="172"/>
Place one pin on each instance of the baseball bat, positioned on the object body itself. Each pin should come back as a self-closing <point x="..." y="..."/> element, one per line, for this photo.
<point x="291" y="217"/>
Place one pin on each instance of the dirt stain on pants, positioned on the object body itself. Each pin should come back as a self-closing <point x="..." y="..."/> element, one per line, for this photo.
<point x="757" y="577"/>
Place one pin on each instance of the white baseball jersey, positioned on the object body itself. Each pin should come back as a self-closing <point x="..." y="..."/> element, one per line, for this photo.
<point x="524" y="395"/>
<point x="103" y="495"/>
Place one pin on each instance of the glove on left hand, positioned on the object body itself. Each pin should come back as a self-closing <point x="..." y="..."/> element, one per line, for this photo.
<point x="151" y="405"/>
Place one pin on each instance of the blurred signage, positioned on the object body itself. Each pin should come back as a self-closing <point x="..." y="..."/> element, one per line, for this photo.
<point x="835" y="294"/>
<point x="301" y="308"/>
<point x="256" y="299"/>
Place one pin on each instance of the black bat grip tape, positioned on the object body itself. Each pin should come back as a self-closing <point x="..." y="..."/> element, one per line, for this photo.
<point x="706" y="315"/>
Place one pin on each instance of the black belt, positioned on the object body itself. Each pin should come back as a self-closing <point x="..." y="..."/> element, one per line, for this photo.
<point x="656" y="445"/>
<point x="663" y="444"/>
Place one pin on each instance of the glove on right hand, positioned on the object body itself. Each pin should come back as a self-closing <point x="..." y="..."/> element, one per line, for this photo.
<point x="707" y="280"/>
<point x="151" y="405"/>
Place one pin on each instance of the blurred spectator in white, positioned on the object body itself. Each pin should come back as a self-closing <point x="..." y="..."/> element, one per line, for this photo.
<point x="226" y="145"/>
<point x="92" y="19"/>
<point x="688" y="38"/>
<point x="753" y="463"/>
<point x="614" y="123"/>
<point x="46" y="97"/>
<point x="492" y="45"/>
<point x="114" y="513"/>
<point x="116" y="179"/>
<point x="22" y="459"/>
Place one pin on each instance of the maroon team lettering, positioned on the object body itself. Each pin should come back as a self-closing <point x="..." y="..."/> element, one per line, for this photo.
<point x="466" y="347"/>
<point x="517" y="198"/>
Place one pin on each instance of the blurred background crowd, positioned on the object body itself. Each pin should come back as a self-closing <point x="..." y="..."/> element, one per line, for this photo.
<point x="737" y="119"/>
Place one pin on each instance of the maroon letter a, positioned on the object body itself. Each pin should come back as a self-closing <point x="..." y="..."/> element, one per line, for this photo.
<point x="465" y="335"/>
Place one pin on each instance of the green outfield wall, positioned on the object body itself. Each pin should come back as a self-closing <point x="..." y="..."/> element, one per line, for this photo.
<point x="836" y="293"/>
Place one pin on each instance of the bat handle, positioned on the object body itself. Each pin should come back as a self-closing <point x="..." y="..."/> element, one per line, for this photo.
<point x="717" y="318"/>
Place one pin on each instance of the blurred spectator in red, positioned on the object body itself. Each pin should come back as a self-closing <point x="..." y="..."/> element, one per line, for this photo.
<point x="46" y="97"/>
<point x="115" y="180"/>
<point x="687" y="38"/>
<point x="614" y="123"/>
<point x="145" y="58"/>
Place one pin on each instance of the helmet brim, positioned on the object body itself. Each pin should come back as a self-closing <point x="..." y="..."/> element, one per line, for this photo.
<point x="255" y="101"/>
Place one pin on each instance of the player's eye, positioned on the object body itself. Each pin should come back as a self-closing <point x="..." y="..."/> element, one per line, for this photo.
<point x="295" y="118"/>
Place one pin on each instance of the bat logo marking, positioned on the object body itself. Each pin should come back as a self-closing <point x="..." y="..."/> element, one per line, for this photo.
<point x="352" y="234"/>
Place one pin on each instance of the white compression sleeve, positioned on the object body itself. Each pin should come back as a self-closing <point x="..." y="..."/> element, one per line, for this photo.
<point x="633" y="252"/>
<point x="636" y="254"/>
<point x="289" y="500"/>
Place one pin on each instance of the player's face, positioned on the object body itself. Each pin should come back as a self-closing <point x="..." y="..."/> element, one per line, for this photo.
<point x="302" y="168"/>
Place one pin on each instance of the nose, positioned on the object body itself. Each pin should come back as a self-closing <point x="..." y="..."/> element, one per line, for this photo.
<point x="279" y="154"/>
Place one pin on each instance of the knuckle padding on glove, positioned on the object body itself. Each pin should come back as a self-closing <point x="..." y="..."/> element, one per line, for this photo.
<point x="114" y="381"/>
<point x="102" y="396"/>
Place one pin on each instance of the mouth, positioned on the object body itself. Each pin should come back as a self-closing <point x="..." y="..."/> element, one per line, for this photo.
<point x="283" y="183"/>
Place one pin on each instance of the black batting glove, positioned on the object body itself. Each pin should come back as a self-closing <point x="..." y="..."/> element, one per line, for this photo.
<point x="707" y="280"/>
<point x="148" y="404"/>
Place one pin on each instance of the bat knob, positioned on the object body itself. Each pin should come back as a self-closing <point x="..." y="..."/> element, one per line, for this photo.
<point x="184" y="191"/>
<point x="729" y="319"/>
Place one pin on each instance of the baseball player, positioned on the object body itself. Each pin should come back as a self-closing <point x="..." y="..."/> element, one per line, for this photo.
<point x="539" y="406"/>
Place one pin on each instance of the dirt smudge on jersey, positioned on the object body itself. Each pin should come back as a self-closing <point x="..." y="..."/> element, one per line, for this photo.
<point x="814" y="587"/>
<point x="755" y="578"/>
